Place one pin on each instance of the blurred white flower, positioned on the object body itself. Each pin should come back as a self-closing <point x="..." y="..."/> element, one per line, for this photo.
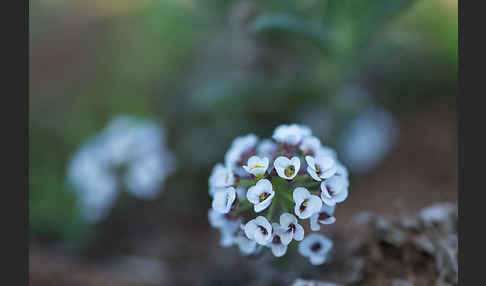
<point x="221" y="177"/>
<point x="224" y="200"/>
<point x="310" y="145"/>
<point x="241" y="148"/>
<point x="368" y="139"/>
<point x="257" y="166"/>
<point x="321" y="167"/>
<point x="316" y="247"/>
<point x="267" y="148"/>
<point x="259" y="229"/>
<point x="291" y="134"/>
<point x="305" y="204"/>
<point x="246" y="246"/>
<point x="287" y="168"/>
<point x="129" y="153"/>
<point x="261" y="195"/>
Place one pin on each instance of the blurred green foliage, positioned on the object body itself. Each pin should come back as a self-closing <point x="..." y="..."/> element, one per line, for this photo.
<point x="215" y="70"/>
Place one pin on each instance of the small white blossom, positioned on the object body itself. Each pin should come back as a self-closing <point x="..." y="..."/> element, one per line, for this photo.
<point x="257" y="166"/>
<point x="221" y="177"/>
<point x="238" y="150"/>
<point x="246" y="246"/>
<point x="310" y="144"/>
<point x="267" y="148"/>
<point x="261" y="195"/>
<point x="306" y="204"/>
<point x="324" y="216"/>
<point x="291" y="229"/>
<point x="316" y="247"/>
<point x="276" y="244"/>
<point x="259" y="229"/>
<point x="334" y="190"/>
<point x="291" y="134"/>
<point x="229" y="233"/>
<point x="325" y="151"/>
<point x="287" y="168"/>
<point x="224" y="200"/>
<point x="321" y="167"/>
<point x="220" y="221"/>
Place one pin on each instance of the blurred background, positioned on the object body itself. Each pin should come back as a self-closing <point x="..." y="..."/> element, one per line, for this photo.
<point x="375" y="80"/>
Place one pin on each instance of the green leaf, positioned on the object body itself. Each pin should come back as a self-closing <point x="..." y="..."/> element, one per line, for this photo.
<point x="284" y="23"/>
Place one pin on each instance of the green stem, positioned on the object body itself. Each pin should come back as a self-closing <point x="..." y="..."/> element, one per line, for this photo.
<point x="270" y="212"/>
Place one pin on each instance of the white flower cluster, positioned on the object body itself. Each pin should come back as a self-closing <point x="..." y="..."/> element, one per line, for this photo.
<point x="265" y="190"/>
<point x="129" y="153"/>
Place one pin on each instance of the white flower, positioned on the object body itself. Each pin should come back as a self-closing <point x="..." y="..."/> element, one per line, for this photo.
<point x="224" y="200"/>
<point x="316" y="247"/>
<point x="334" y="190"/>
<point x="259" y="229"/>
<point x="127" y="143"/>
<point x="368" y="138"/>
<point x="291" y="134"/>
<point x="229" y="233"/>
<point x="257" y="166"/>
<point x="291" y="229"/>
<point x="324" y="216"/>
<point x="236" y="153"/>
<point x="246" y="246"/>
<point x="267" y="148"/>
<point x="310" y="144"/>
<point x="276" y="244"/>
<point x="305" y="204"/>
<point x="286" y="168"/>
<point x="321" y="167"/>
<point x="261" y="195"/>
<point x="220" y="220"/>
<point x="325" y="151"/>
<point x="144" y="176"/>
<point x="221" y="177"/>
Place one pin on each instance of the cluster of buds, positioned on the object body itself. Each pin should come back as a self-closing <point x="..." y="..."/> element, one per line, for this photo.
<point x="265" y="190"/>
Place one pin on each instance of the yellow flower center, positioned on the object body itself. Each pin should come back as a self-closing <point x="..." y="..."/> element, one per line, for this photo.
<point x="289" y="171"/>
<point x="264" y="196"/>
<point x="256" y="166"/>
<point x="303" y="205"/>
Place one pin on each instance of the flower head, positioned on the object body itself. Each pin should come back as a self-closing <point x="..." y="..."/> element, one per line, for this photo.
<point x="261" y="183"/>
<point x="261" y="195"/>
<point x="316" y="247"/>
<point x="287" y="168"/>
